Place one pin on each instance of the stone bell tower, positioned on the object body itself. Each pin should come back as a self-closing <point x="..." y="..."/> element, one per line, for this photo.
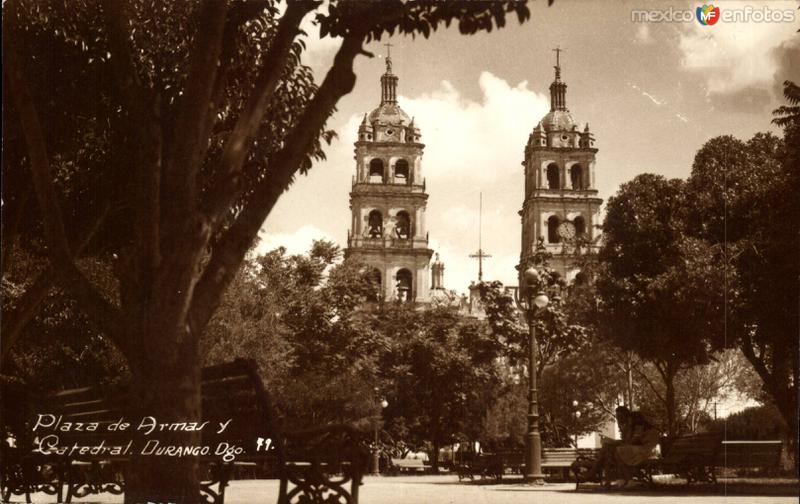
<point x="561" y="206"/>
<point x="388" y="200"/>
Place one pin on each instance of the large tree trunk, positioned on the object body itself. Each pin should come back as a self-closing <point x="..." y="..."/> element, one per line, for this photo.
<point x="777" y="380"/>
<point x="669" y="400"/>
<point x="435" y="456"/>
<point x="166" y="386"/>
<point x="788" y="410"/>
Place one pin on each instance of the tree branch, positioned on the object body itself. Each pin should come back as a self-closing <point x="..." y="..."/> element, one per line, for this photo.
<point x="143" y="110"/>
<point x="232" y="247"/>
<point x="651" y="385"/>
<point x="191" y="125"/>
<point x="236" y="147"/>
<point x="758" y="362"/>
<point x="37" y="148"/>
<point x="61" y="258"/>
<point x="27" y="306"/>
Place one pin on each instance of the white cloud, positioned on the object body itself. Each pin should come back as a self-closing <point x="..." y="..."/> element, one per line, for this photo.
<point x="298" y="242"/>
<point x="481" y="131"/>
<point x="735" y="56"/>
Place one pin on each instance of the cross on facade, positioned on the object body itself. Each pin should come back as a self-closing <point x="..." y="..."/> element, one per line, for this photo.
<point x="480" y="254"/>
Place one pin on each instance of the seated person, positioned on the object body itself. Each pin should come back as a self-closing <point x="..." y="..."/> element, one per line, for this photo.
<point x="639" y="439"/>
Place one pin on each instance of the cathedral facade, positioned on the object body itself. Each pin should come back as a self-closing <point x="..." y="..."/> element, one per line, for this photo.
<point x="388" y="200"/>
<point x="561" y="206"/>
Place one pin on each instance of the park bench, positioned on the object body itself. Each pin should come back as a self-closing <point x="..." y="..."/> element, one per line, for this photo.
<point x="496" y="464"/>
<point x="313" y="463"/>
<point x="401" y="465"/>
<point x="485" y="465"/>
<point x="762" y="455"/>
<point x="563" y="458"/>
<point x="692" y="457"/>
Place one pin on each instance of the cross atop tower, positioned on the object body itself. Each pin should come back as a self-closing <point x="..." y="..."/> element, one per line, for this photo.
<point x="558" y="51"/>
<point x="388" y="57"/>
<point x="480" y="254"/>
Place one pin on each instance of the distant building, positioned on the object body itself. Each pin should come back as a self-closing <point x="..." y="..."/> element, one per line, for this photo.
<point x="561" y="204"/>
<point x="388" y="201"/>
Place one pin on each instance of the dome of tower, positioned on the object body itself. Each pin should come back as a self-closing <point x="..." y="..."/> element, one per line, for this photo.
<point x="389" y="113"/>
<point x="558" y="120"/>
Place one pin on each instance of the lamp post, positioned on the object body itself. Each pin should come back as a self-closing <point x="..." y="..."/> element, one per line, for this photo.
<point x="532" y="300"/>
<point x="376" y="453"/>
<point x="577" y="412"/>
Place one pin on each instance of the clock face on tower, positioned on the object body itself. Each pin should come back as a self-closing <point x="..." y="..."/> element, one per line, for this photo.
<point x="566" y="230"/>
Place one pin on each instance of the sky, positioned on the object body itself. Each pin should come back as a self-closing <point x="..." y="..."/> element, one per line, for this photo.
<point x="652" y="93"/>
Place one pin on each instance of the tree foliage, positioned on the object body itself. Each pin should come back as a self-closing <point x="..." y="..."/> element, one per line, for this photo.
<point x="440" y="375"/>
<point x="302" y="318"/>
<point x="659" y="286"/>
<point x="689" y="268"/>
<point x="748" y="190"/>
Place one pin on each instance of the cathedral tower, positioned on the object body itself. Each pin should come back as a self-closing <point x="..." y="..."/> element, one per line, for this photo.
<point x="388" y="200"/>
<point x="561" y="206"/>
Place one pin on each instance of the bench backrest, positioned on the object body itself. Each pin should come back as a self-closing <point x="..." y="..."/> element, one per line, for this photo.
<point x="750" y="454"/>
<point x="399" y="462"/>
<point x="566" y="456"/>
<point x="695" y="448"/>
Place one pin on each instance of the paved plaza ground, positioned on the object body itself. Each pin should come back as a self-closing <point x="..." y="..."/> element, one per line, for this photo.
<point x="446" y="489"/>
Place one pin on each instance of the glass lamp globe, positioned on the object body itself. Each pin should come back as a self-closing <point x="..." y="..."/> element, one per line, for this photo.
<point x="531" y="277"/>
<point x="541" y="300"/>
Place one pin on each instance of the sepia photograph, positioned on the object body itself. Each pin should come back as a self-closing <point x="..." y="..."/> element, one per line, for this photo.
<point x="400" y="251"/>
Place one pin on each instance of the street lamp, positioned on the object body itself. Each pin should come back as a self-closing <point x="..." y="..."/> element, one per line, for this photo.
<point x="575" y="405"/>
<point x="376" y="454"/>
<point x="534" y="299"/>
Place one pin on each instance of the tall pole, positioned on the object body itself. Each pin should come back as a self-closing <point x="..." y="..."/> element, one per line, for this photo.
<point x="376" y="455"/>
<point x="480" y="255"/>
<point x="533" y="467"/>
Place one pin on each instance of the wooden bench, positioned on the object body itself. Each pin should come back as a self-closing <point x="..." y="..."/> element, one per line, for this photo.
<point x="400" y="465"/>
<point x="485" y="465"/>
<point x="692" y="457"/>
<point x="495" y="465"/>
<point x="563" y="458"/>
<point x="750" y="455"/>
<point x="305" y="461"/>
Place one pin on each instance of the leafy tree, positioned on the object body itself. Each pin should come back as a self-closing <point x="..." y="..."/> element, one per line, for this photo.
<point x="441" y="374"/>
<point x="562" y="371"/>
<point x="748" y="190"/>
<point x="658" y="286"/>
<point x="301" y="318"/>
<point x="788" y="115"/>
<point x="555" y="335"/>
<point x="183" y="123"/>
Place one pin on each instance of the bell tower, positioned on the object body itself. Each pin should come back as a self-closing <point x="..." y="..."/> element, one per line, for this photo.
<point x="561" y="206"/>
<point x="388" y="200"/>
